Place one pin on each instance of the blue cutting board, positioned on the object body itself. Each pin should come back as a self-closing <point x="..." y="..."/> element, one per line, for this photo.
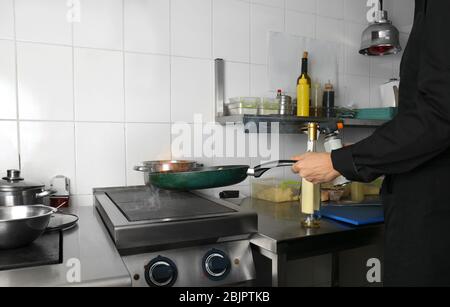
<point x="354" y="214"/>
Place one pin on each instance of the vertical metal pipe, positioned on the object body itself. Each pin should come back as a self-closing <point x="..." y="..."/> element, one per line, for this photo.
<point x="219" y="87"/>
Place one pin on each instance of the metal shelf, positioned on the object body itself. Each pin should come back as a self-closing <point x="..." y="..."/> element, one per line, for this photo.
<point x="289" y="124"/>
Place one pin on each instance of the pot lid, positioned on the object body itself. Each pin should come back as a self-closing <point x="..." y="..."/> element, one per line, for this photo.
<point x="14" y="182"/>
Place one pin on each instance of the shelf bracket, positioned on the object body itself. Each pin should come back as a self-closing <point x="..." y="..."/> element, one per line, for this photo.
<point x="219" y="87"/>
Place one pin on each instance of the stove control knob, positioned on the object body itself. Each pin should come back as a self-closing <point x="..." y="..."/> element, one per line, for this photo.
<point x="216" y="265"/>
<point x="161" y="272"/>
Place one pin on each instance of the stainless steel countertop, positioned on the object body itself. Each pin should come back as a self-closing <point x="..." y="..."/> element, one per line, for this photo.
<point x="89" y="242"/>
<point x="101" y="265"/>
<point x="281" y="223"/>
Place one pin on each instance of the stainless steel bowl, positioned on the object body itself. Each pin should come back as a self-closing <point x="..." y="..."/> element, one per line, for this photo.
<point x="22" y="225"/>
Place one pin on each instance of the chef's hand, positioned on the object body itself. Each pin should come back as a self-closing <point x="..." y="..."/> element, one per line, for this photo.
<point x="316" y="168"/>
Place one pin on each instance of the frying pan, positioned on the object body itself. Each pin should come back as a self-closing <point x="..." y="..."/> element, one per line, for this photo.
<point x="211" y="177"/>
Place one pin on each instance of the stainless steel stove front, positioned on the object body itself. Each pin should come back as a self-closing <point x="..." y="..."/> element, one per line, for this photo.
<point x="191" y="250"/>
<point x="199" y="266"/>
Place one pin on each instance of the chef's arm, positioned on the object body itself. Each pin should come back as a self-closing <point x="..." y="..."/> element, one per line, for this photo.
<point x="419" y="134"/>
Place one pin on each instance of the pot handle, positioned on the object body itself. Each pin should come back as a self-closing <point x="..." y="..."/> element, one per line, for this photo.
<point x="259" y="170"/>
<point x="141" y="168"/>
<point x="45" y="193"/>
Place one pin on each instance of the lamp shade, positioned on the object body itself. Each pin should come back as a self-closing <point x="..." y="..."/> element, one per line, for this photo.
<point x="381" y="37"/>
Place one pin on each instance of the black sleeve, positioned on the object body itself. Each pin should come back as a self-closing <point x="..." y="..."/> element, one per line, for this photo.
<point x="419" y="134"/>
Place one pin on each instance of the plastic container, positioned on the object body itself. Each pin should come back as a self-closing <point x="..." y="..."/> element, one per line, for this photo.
<point x="243" y="105"/>
<point x="276" y="190"/>
<point x="269" y="106"/>
<point x="376" y="113"/>
<point x="303" y="98"/>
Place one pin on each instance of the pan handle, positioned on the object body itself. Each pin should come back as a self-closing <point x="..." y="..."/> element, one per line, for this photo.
<point x="45" y="193"/>
<point x="259" y="170"/>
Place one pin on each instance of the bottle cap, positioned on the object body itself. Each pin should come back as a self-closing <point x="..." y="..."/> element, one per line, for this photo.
<point x="329" y="86"/>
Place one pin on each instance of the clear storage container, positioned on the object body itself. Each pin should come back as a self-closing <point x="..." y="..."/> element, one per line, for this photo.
<point x="269" y="106"/>
<point x="243" y="106"/>
<point x="276" y="190"/>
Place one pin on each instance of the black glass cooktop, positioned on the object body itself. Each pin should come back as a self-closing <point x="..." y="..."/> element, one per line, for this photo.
<point x="146" y="204"/>
<point x="45" y="250"/>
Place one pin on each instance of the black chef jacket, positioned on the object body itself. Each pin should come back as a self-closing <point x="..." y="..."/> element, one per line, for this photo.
<point x="413" y="151"/>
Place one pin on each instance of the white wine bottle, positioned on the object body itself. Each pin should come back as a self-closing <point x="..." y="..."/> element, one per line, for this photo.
<point x="311" y="191"/>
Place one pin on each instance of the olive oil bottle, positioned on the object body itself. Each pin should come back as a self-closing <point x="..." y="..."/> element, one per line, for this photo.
<point x="304" y="73"/>
<point x="304" y="89"/>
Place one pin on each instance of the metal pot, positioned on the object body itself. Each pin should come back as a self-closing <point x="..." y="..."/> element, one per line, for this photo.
<point x="14" y="191"/>
<point x="165" y="166"/>
<point x="22" y="225"/>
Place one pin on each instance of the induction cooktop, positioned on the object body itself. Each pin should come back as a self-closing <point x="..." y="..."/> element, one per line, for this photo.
<point x="146" y="205"/>
<point x="143" y="217"/>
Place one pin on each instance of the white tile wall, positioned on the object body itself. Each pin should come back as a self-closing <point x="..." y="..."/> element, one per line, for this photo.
<point x="192" y="89"/>
<point x="237" y="79"/>
<point x="375" y="95"/>
<point x="99" y="90"/>
<point x="45" y="87"/>
<point x="100" y="156"/>
<point x="259" y="83"/>
<point x="357" y="91"/>
<point x="147" y="26"/>
<point x="144" y="142"/>
<point x="147" y="83"/>
<point x="101" y="24"/>
<point x="7" y="19"/>
<point x="191" y="28"/>
<point x="231" y="35"/>
<point x="381" y="67"/>
<point x="262" y="20"/>
<point x="104" y="91"/>
<point x="355" y="10"/>
<point x="328" y="8"/>
<point x="9" y="157"/>
<point x="300" y="24"/>
<point x="355" y="63"/>
<point x="401" y="13"/>
<point x="8" y="108"/>
<point x="43" y="21"/>
<point x="330" y="29"/>
<point x="53" y="145"/>
<point x="307" y="6"/>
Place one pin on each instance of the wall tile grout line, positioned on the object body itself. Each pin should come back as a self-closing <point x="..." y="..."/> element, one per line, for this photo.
<point x="170" y="79"/>
<point x="74" y="184"/>
<point x="212" y="66"/>
<point x="249" y="49"/>
<point x="250" y="9"/>
<point x="16" y="67"/>
<point x="125" y="127"/>
<point x="82" y="121"/>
